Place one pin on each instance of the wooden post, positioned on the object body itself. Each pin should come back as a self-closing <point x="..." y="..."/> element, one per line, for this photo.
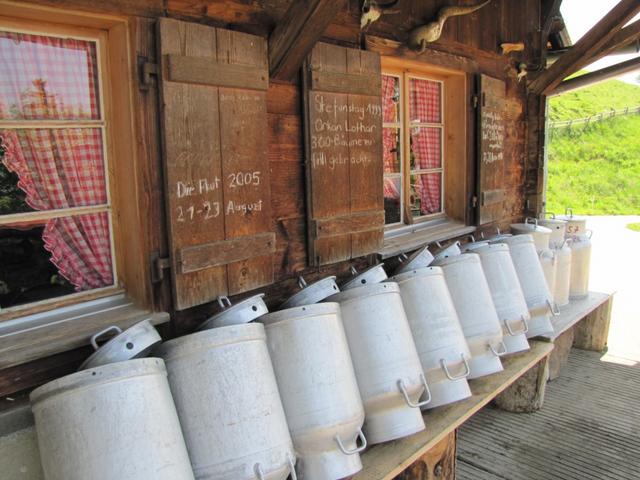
<point x="592" y="332"/>
<point x="526" y="394"/>
<point x="560" y="354"/>
<point x="439" y="463"/>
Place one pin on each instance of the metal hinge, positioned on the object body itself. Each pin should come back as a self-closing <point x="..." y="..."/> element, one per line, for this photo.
<point x="147" y="69"/>
<point x="158" y="266"/>
<point x="474" y="201"/>
<point x="474" y="101"/>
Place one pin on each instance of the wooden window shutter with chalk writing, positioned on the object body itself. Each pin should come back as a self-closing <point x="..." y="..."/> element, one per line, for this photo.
<point x="343" y="130"/>
<point x="213" y="85"/>
<point x="497" y="118"/>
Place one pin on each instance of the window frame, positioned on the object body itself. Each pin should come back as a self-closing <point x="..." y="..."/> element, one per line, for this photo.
<point x="456" y="147"/>
<point x="120" y="159"/>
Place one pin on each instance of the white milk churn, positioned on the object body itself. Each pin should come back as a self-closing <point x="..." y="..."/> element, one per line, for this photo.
<point x="541" y="235"/>
<point x="387" y="366"/>
<point x="576" y="225"/>
<point x="318" y="387"/>
<point x="478" y="317"/>
<point x="228" y="403"/>
<point x="450" y="251"/>
<point x="419" y="259"/>
<point x="549" y="267"/>
<point x="563" y="274"/>
<point x="374" y="274"/>
<point x="437" y="333"/>
<point x="242" y="312"/>
<point x="136" y="341"/>
<point x="507" y="295"/>
<point x="314" y="293"/>
<point x="533" y="283"/>
<point x="580" y="262"/>
<point x="115" y="421"/>
<point x="558" y="230"/>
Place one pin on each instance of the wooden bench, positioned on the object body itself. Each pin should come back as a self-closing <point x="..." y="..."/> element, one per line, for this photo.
<point x="584" y="324"/>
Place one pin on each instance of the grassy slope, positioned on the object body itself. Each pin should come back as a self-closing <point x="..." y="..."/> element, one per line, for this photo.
<point x="595" y="170"/>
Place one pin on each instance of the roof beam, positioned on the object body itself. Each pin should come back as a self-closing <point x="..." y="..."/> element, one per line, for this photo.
<point x="584" y="48"/>
<point x="293" y="38"/>
<point x="623" y="38"/>
<point x="596" y="77"/>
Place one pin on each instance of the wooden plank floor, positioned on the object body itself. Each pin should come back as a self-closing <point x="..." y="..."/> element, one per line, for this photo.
<point x="589" y="428"/>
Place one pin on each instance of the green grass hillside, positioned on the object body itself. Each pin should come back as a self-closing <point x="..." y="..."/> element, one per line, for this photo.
<point x="595" y="169"/>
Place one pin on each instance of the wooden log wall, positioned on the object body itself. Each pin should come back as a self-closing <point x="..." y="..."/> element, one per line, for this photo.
<point x="470" y="43"/>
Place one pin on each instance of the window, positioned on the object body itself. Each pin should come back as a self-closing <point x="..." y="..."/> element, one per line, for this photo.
<point x="55" y="207"/>
<point x="424" y="145"/>
<point x="413" y="123"/>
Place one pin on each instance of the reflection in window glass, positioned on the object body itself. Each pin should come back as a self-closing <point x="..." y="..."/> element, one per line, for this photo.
<point x="392" y="199"/>
<point x="426" y="148"/>
<point x="425" y="194"/>
<point x="390" y="99"/>
<point x="425" y="101"/>
<point x="50" y="78"/>
<point x="391" y="150"/>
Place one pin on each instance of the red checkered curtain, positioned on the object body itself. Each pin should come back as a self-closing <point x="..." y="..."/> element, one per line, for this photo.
<point x="46" y="78"/>
<point x="425" y="107"/>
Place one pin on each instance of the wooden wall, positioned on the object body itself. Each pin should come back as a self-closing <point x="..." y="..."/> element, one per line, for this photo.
<point x="472" y="42"/>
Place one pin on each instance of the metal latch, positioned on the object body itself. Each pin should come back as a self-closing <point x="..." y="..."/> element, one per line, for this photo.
<point x="158" y="266"/>
<point x="147" y="69"/>
<point x="474" y="201"/>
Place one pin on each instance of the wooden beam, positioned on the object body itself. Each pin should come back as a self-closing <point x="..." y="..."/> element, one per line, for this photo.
<point x="624" y="37"/>
<point x="550" y="9"/>
<point x="296" y="34"/>
<point x="596" y="77"/>
<point x="590" y="43"/>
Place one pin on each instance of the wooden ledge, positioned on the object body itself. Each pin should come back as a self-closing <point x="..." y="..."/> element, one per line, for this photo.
<point x="575" y="311"/>
<point x="41" y="335"/>
<point x="385" y="461"/>
<point x="413" y="239"/>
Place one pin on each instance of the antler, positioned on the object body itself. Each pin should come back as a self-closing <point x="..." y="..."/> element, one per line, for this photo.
<point x="372" y="10"/>
<point x="448" y="12"/>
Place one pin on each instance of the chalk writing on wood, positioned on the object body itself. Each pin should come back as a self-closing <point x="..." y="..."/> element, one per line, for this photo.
<point x="492" y="136"/>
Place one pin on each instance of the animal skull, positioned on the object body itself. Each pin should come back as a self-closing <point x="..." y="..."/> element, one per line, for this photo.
<point x="372" y="11"/>
<point x="420" y="36"/>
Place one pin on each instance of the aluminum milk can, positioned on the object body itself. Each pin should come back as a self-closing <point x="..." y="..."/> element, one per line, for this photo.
<point x="115" y="421"/>
<point x="472" y="299"/>
<point x="507" y="295"/>
<point x="387" y="366"/>
<point x="549" y="267"/>
<point x="318" y="388"/>
<point x="533" y="283"/>
<point x="541" y="235"/>
<point x="580" y="262"/>
<point x="563" y="274"/>
<point x="575" y="225"/>
<point x="437" y="333"/>
<point x="375" y="274"/>
<point x="228" y="403"/>
<point x="312" y="293"/>
<point x="558" y="230"/>
<point x="450" y="251"/>
<point x="419" y="259"/>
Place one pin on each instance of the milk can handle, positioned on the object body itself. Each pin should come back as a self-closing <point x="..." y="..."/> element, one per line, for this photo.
<point x="402" y="257"/>
<point x="363" y="441"/>
<point x="257" y="468"/>
<point x="94" y="338"/>
<point x="302" y="282"/>
<point x="403" y="389"/>
<point x="292" y="467"/>
<point x="222" y="299"/>
<point x="555" y="310"/>
<point x="533" y="220"/>
<point x="589" y="233"/>
<point x="524" y="330"/>
<point x="353" y="270"/>
<point x="498" y="353"/>
<point x="569" y="212"/>
<point x="453" y="378"/>
<point x="553" y="215"/>
<point x="473" y="239"/>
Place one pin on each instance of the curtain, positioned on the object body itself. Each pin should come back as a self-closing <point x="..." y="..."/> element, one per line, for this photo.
<point x="46" y="78"/>
<point x="389" y="135"/>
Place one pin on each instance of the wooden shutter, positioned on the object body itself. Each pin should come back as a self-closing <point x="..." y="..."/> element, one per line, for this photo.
<point x="491" y="135"/>
<point x="343" y="129"/>
<point x="214" y="122"/>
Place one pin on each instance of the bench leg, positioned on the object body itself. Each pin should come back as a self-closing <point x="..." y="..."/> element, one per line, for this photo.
<point x="439" y="463"/>
<point x="526" y="394"/>
<point x="560" y="354"/>
<point x="592" y="332"/>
